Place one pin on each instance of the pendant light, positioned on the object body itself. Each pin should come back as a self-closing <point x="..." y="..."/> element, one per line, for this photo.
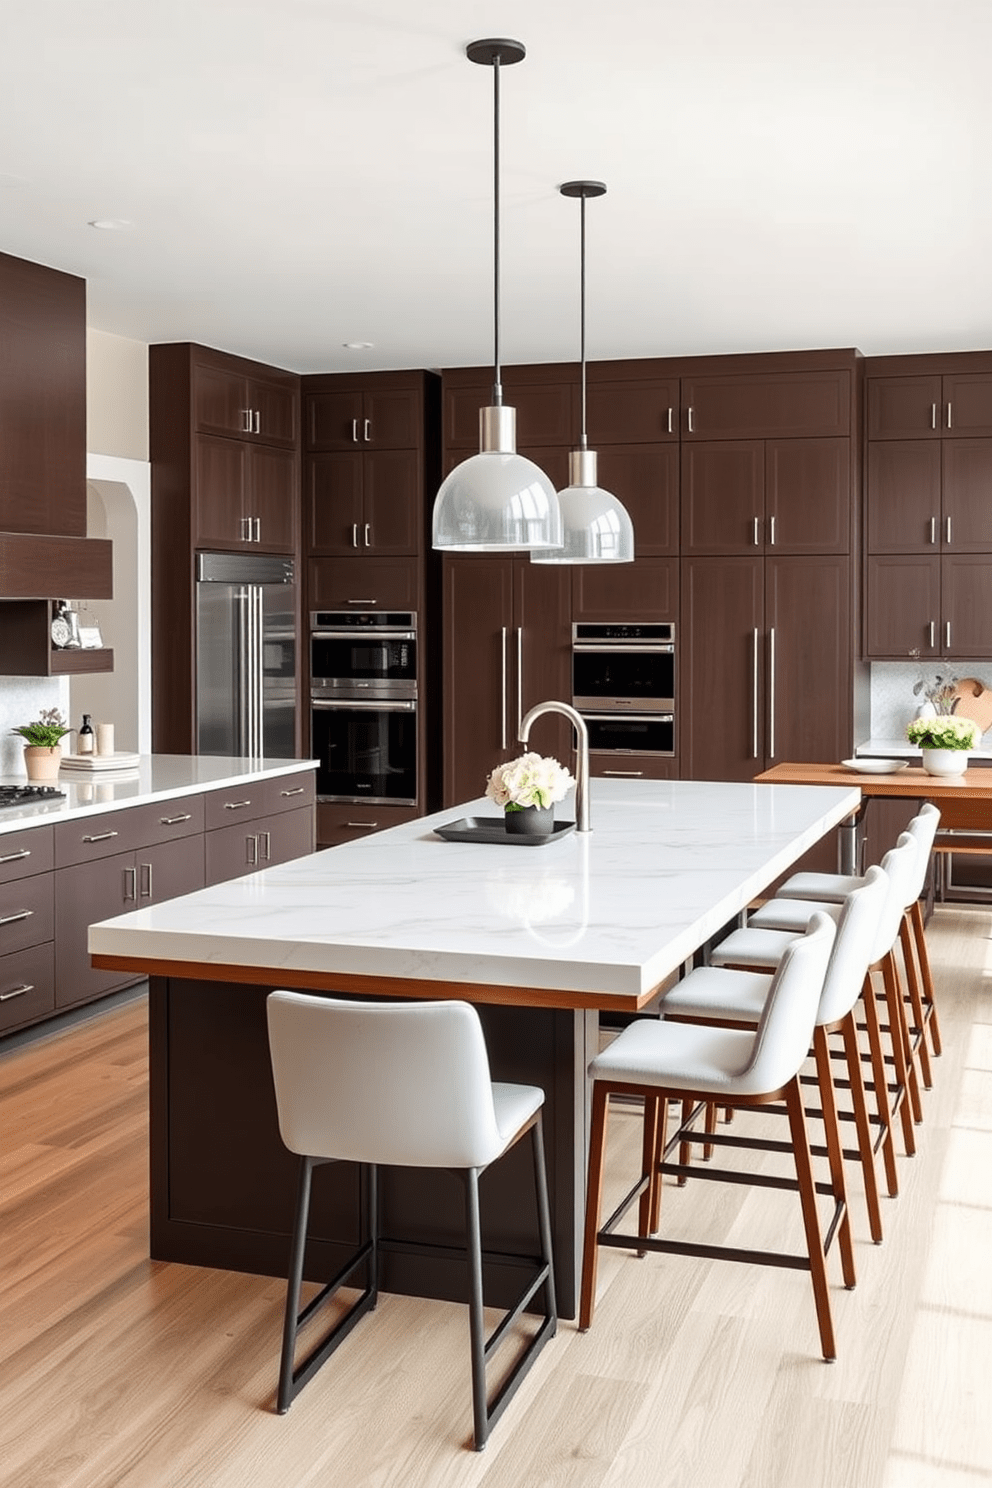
<point x="597" y="528"/>
<point x="497" y="500"/>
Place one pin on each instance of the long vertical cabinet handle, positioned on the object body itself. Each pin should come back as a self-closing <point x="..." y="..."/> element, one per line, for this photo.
<point x="256" y="670"/>
<point x="949" y="424"/>
<point x="520" y="675"/>
<point x="947" y="531"/>
<point x="933" y="529"/>
<point x="947" y="634"/>
<point x="242" y="712"/>
<point x="754" y="694"/>
<point x="771" y="693"/>
<point x="502" y="742"/>
<point x="933" y="415"/>
<point x="771" y="532"/>
<point x="259" y="671"/>
<point x="933" y="635"/>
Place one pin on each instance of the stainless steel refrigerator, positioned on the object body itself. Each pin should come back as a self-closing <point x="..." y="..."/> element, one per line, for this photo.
<point x="246" y="655"/>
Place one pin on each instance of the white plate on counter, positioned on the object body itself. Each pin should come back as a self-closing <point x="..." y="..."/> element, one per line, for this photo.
<point x="875" y="766"/>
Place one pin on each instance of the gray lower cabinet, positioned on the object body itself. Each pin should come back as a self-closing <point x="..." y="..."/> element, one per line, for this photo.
<point x="27" y="915"/>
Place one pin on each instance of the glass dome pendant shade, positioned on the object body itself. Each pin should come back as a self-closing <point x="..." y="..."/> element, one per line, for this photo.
<point x="496" y="501"/>
<point x="597" y="527"/>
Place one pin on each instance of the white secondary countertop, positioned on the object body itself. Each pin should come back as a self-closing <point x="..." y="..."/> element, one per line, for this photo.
<point x="610" y="912"/>
<point x="157" y="778"/>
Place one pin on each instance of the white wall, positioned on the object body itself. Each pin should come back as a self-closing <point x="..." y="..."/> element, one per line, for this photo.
<point x="116" y="396"/>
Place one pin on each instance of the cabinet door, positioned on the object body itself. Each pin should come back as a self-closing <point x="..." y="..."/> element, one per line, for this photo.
<point x="904" y="407"/>
<point x="220" y="401"/>
<point x="169" y="869"/>
<point x="542" y="646"/>
<point x="721" y="716"/>
<point x="767" y="405"/>
<point x="723" y="497"/>
<point x="285" y="837"/>
<point x="393" y="502"/>
<point x="967" y="514"/>
<point x="333" y="420"/>
<point x="395" y="418"/>
<point x="272" y="498"/>
<point x="84" y="894"/>
<point x="967" y="404"/>
<point x="808" y="495"/>
<point x="364" y="583"/>
<point x="230" y="852"/>
<point x="645" y="477"/>
<point x="647" y="589"/>
<point x="27" y="986"/>
<point x="966" y="584"/>
<point x="335" y="503"/>
<point x="461" y="415"/>
<point x="902" y="606"/>
<point x="903" y="496"/>
<point x="477" y="623"/>
<point x="632" y="412"/>
<point x="808" y="639"/>
<point x="221" y="467"/>
<point x="275" y="404"/>
<point x="546" y="412"/>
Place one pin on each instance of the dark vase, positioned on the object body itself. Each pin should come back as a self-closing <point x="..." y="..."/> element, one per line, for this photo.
<point x="532" y="821"/>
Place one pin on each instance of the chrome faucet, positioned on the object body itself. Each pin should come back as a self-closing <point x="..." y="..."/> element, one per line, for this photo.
<point x="581" y="753"/>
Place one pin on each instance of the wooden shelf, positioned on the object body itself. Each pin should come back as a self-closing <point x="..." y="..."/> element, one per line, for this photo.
<point x="96" y="660"/>
<point x="26" y="644"/>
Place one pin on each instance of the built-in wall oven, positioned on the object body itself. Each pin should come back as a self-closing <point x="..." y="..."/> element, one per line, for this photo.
<point x="623" y="684"/>
<point x="363" y="671"/>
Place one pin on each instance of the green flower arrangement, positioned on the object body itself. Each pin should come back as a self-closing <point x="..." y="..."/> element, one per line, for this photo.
<point x="46" y="731"/>
<point x="945" y="731"/>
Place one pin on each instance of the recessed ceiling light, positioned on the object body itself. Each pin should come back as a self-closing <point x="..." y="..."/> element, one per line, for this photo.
<point x="358" y="345"/>
<point x="112" y="224"/>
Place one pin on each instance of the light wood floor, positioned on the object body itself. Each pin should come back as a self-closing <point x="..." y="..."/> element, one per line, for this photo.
<point x="117" y="1372"/>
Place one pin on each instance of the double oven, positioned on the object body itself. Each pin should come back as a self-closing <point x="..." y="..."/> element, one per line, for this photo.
<point x="623" y="684"/>
<point x="363" y="679"/>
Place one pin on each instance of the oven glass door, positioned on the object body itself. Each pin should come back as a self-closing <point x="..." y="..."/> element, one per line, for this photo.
<point x="638" y="678"/>
<point x="343" y="658"/>
<point x="367" y="750"/>
<point x="651" y="733"/>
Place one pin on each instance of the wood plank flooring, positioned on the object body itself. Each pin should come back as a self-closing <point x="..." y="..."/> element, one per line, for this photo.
<point x="119" y="1372"/>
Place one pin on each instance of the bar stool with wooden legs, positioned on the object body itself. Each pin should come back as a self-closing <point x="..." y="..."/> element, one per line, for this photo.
<point x="832" y="887"/>
<point x="733" y="989"/>
<point x="405" y="1085"/>
<point x="661" y="1061"/>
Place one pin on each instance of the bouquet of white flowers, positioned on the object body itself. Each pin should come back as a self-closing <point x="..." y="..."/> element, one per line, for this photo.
<point x="531" y="780"/>
<point x="946" y="731"/>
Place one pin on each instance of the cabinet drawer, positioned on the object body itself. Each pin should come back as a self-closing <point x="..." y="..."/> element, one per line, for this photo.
<point x="23" y="853"/>
<point x="27" y="912"/>
<point x="27" y="986"/>
<point x="237" y="803"/>
<point x="346" y="823"/>
<point x="165" y="821"/>
<point x="634" y="766"/>
<point x="98" y="836"/>
<point x="290" y="792"/>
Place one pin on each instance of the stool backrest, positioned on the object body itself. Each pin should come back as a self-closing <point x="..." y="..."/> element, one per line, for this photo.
<point x="853" y="946"/>
<point x="783" y="1036"/>
<point x="403" y="1084"/>
<point x="922" y="829"/>
<point x="900" y="864"/>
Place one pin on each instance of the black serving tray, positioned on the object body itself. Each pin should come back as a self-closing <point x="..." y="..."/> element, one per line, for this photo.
<point x="492" y="830"/>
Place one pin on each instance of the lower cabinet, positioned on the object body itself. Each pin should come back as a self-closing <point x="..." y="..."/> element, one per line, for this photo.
<point x="339" y="822"/>
<point x="245" y="846"/>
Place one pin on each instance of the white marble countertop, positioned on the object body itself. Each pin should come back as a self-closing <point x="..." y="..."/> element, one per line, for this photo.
<point x="156" y="778"/>
<point x="610" y="912"/>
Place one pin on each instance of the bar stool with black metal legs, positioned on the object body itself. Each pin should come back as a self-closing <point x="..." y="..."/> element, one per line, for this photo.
<point x="408" y="1085"/>
<point x="661" y="1061"/>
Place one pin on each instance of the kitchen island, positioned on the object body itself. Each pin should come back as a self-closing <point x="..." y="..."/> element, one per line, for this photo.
<point x="539" y="938"/>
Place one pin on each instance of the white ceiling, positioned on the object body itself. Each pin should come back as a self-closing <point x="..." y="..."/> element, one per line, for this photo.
<point x="302" y="173"/>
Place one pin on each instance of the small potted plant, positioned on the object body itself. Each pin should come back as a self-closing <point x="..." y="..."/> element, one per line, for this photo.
<point x="527" y="789"/>
<point x="945" y="741"/>
<point x="42" y="749"/>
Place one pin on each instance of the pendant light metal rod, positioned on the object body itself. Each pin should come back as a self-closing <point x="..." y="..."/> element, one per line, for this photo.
<point x="497" y="374"/>
<point x="583" y="190"/>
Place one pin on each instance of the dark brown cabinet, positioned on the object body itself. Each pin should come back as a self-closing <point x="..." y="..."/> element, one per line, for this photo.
<point x="337" y="823"/>
<point x="246" y="496"/>
<point x="766" y="663"/>
<point x="930" y="497"/>
<point x="647" y="589"/>
<point x="384" y="414"/>
<point x="928" y="605"/>
<point x="255" y="826"/>
<point x="764" y="496"/>
<point x="365" y="583"/>
<point x="767" y="405"/>
<point x="507" y="646"/>
<point x="930" y="406"/>
<point x="255" y="406"/>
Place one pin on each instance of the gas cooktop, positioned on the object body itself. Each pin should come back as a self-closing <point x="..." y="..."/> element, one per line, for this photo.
<point x="29" y="795"/>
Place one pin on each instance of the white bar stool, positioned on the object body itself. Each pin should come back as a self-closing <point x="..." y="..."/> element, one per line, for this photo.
<point x="401" y="1084"/>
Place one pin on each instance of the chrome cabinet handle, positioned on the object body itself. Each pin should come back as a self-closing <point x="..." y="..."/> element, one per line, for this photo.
<point x="368" y="534"/>
<point x="771" y="693"/>
<point x="771" y="531"/>
<point x="25" y="852"/>
<point x="947" y="633"/>
<point x="130" y="888"/>
<point x="245" y="529"/>
<point x="754" y="694"/>
<point x="949" y="424"/>
<point x="266" y="840"/>
<point x="257" y="524"/>
<point x="101" y="837"/>
<point x="251" y="851"/>
<point x="146" y="881"/>
<point x="354" y="431"/>
<point x="235" y="805"/>
<point x="22" y="914"/>
<point x="354" y="534"/>
<point x="670" y="421"/>
<point x="947" y="530"/>
<point x="368" y="430"/>
<point x="933" y="529"/>
<point x="933" y="415"/>
<point x="520" y="675"/>
<point x="503" y="714"/>
<point x="689" y="420"/>
<point x="17" y="991"/>
<point x="256" y="422"/>
<point x="635" y="773"/>
<point x="246" y="420"/>
<point x="754" y="532"/>
<point x="296" y="791"/>
<point x="362" y="601"/>
<point x="371" y="825"/>
<point x="933" y="635"/>
<point x="172" y="821"/>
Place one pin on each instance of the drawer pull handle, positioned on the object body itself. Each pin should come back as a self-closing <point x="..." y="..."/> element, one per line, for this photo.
<point x="22" y="914"/>
<point x="101" y="837"/>
<point x="171" y="821"/>
<point x="17" y="992"/>
<point x="296" y="791"/>
<point x="235" y="805"/>
<point x="361" y="824"/>
<point x="25" y="852"/>
<point x="637" y="773"/>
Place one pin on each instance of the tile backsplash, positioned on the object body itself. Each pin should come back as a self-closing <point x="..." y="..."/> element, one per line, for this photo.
<point x="21" y="701"/>
<point x="892" y="701"/>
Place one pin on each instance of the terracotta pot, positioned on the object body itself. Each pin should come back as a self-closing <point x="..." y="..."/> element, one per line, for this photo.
<point x="945" y="761"/>
<point x="532" y="821"/>
<point x="42" y="762"/>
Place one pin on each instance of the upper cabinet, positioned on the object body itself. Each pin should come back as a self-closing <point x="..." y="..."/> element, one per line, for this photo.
<point x="258" y="408"/>
<point x="935" y="406"/>
<point x="361" y="419"/>
<point x="767" y="405"/>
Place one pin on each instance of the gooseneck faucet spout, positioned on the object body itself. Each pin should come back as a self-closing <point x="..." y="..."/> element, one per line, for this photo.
<point x="582" y="823"/>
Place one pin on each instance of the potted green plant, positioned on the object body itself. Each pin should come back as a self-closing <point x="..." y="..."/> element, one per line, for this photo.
<point x="944" y="741"/>
<point x="43" y="749"/>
